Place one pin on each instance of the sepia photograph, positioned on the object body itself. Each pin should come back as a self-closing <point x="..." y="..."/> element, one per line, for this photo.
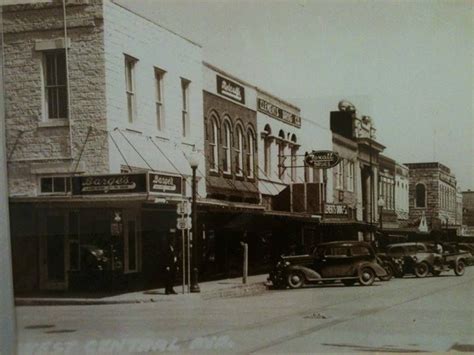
<point x="236" y="176"/>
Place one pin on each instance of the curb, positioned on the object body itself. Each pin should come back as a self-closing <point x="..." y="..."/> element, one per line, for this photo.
<point x="235" y="291"/>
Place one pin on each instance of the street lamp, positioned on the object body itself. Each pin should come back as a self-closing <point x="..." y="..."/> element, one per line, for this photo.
<point x="381" y="205"/>
<point x="193" y="159"/>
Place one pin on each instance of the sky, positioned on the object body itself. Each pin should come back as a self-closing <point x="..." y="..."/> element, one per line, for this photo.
<point x="408" y="65"/>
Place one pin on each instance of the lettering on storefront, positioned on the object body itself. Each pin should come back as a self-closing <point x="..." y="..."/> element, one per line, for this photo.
<point x="278" y="113"/>
<point x="109" y="184"/>
<point x="230" y="89"/>
<point x="335" y="209"/>
<point x="322" y="159"/>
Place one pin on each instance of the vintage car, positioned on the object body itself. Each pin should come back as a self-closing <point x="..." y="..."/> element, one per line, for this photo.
<point x="347" y="261"/>
<point x="416" y="258"/>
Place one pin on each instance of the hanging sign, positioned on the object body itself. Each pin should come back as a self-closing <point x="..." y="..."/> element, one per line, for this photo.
<point x="322" y="159"/>
<point x="109" y="184"/>
<point x="165" y="184"/>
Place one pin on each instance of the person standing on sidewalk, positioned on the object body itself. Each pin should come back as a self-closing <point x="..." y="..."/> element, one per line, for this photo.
<point x="171" y="261"/>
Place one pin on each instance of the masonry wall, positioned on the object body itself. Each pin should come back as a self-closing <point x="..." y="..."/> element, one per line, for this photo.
<point x="38" y="146"/>
<point x="347" y="150"/>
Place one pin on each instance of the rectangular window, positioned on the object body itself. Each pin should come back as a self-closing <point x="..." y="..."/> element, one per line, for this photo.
<point x="55" y="185"/>
<point x="340" y="175"/>
<point x="185" y="99"/>
<point x="160" y="119"/>
<point x="130" y="87"/>
<point x="350" y="176"/>
<point x="55" y="81"/>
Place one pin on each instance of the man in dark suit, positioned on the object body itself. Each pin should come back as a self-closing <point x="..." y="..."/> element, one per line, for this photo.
<point x="171" y="261"/>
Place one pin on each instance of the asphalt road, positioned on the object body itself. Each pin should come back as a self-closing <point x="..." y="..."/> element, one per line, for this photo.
<point x="402" y="315"/>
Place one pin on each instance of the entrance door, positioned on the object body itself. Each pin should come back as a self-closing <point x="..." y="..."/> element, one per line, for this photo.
<point x="53" y="253"/>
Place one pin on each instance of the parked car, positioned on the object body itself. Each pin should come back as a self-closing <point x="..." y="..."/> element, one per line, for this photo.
<point x="419" y="260"/>
<point x="348" y="262"/>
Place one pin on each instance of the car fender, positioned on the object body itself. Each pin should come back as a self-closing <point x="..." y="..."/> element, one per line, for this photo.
<point x="378" y="269"/>
<point x="309" y="274"/>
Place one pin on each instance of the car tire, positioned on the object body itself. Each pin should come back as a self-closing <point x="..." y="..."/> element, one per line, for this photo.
<point x="459" y="268"/>
<point x="295" y="279"/>
<point x="389" y="269"/>
<point x="422" y="269"/>
<point x="366" y="276"/>
<point x="348" y="282"/>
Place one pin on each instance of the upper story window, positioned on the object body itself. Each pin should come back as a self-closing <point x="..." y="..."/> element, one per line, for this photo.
<point x="420" y="195"/>
<point x="350" y="176"/>
<point x="250" y="154"/>
<point x="340" y="175"/>
<point x="239" y="151"/>
<point x="55" y="80"/>
<point x="213" y="142"/>
<point x="160" y="118"/>
<point x="294" y="150"/>
<point x="226" y="146"/>
<point x="55" y="185"/>
<point x="267" y="145"/>
<point x="281" y="155"/>
<point x="185" y="109"/>
<point x="130" y="87"/>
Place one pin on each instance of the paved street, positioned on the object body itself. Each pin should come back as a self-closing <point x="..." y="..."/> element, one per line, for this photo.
<point x="403" y="315"/>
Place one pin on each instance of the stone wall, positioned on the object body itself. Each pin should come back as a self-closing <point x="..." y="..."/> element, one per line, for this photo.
<point x="35" y="144"/>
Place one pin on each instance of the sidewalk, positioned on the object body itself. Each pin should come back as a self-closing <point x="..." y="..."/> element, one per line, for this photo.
<point x="209" y="290"/>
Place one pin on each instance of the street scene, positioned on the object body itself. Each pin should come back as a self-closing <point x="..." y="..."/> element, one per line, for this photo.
<point x="236" y="176"/>
<point x="403" y="315"/>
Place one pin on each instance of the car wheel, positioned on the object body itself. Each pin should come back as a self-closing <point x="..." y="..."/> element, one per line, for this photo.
<point x="459" y="268"/>
<point x="388" y="268"/>
<point x="348" y="282"/>
<point x="295" y="279"/>
<point x="366" y="276"/>
<point x="436" y="272"/>
<point x="421" y="269"/>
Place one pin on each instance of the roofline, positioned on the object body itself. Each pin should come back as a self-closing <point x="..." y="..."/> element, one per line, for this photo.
<point x="155" y="23"/>
<point x="233" y="77"/>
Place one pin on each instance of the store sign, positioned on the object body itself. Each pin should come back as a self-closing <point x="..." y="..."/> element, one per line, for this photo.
<point x="230" y="89"/>
<point x="322" y="159"/>
<point x="109" y="184"/>
<point x="163" y="183"/>
<point x="278" y="113"/>
<point x="335" y="209"/>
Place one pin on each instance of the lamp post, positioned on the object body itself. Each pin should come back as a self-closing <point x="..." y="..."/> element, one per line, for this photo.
<point x="193" y="159"/>
<point x="381" y="205"/>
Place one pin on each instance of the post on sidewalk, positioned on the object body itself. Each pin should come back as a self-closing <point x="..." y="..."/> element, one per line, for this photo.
<point x="246" y="262"/>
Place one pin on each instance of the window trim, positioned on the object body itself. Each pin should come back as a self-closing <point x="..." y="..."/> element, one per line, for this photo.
<point x="159" y="99"/>
<point x="45" y="87"/>
<point x="214" y="145"/>
<point x="239" y="149"/>
<point x="226" y="146"/>
<point x="185" y="121"/>
<point x="250" y="154"/>
<point x="130" y="87"/>
<point x="67" y="185"/>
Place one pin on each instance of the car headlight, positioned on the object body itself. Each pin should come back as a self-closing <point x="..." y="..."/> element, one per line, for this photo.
<point x="415" y="258"/>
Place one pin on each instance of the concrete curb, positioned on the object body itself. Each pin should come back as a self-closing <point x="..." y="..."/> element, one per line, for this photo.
<point x="234" y="291"/>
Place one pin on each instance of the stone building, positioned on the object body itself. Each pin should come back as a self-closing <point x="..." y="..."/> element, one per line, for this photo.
<point x="468" y="212"/>
<point x="432" y="193"/>
<point x="387" y="184"/>
<point x="99" y="125"/>
<point x="401" y="193"/>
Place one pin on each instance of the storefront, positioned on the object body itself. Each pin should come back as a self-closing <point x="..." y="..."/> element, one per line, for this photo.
<point x="108" y="233"/>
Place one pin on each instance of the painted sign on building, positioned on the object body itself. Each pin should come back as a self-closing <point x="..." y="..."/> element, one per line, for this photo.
<point x="230" y="89"/>
<point x="322" y="159"/>
<point x="146" y="182"/>
<point x="276" y="112"/>
<point x="164" y="183"/>
<point x="335" y="209"/>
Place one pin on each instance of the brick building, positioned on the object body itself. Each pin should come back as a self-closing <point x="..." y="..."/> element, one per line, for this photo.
<point x="432" y="192"/>
<point x="468" y="212"/>
<point x="98" y="129"/>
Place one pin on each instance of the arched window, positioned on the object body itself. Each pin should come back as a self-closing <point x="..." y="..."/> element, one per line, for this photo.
<point x="267" y="146"/>
<point x="294" y="150"/>
<point x="213" y="143"/>
<point x="420" y="191"/>
<point x="281" y="154"/>
<point x="250" y="154"/>
<point x="226" y="146"/>
<point x="239" y="151"/>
